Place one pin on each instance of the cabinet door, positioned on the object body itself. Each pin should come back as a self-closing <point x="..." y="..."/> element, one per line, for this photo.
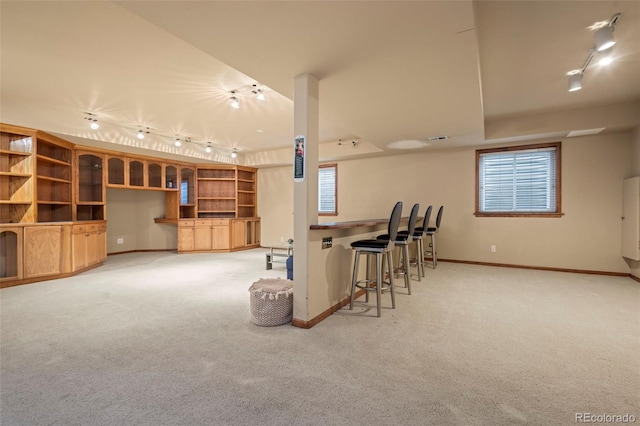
<point x="239" y="233"/>
<point x="42" y="248"/>
<point x="203" y="237"/>
<point x="10" y="254"/>
<point x="221" y="237"/>
<point x="102" y="245"/>
<point x="92" y="248"/>
<point x="117" y="173"/>
<point x="186" y="237"/>
<point x="79" y="248"/>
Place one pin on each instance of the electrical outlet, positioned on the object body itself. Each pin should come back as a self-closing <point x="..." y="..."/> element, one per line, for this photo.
<point x="493" y="249"/>
<point x="120" y="241"/>
<point x="327" y="242"/>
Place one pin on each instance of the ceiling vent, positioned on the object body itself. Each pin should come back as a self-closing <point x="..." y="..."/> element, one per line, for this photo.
<point x="438" y="138"/>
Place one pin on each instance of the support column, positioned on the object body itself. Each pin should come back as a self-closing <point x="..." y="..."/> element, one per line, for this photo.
<point x="305" y="190"/>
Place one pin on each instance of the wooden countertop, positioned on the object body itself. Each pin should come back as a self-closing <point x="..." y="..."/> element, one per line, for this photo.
<point x="350" y="224"/>
<point x="67" y="222"/>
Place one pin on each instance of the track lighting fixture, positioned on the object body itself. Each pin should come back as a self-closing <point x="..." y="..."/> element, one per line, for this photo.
<point x="247" y="91"/>
<point x="142" y="131"/>
<point x="234" y="153"/>
<point x="93" y="120"/>
<point x="604" y="40"/>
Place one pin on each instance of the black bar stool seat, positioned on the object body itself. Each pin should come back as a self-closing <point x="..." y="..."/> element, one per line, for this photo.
<point x="377" y="248"/>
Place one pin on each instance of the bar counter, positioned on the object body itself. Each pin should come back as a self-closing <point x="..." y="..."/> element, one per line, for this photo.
<point x="330" y="269"/>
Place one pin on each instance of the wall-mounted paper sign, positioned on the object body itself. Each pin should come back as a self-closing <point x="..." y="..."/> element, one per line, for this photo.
<point x="298" y="159"/>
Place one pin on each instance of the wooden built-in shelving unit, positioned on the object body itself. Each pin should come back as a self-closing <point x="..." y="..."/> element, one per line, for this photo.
<point x="16" y="175"/>
<point x="53" y="203"/>
<point x="53" y="173"/>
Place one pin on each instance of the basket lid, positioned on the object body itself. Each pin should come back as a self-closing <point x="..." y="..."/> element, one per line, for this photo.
<point x="272" y="285"/>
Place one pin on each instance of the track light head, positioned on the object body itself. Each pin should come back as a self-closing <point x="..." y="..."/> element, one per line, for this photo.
<point x="94" y="124"/>
<point x="604" y="38"/>
<point x="575" y="82"/>
<point x="140" y="134"/>
<point x="178" y="142"/>
<point x="234" y="153"/>
<point x="208" y="148"/>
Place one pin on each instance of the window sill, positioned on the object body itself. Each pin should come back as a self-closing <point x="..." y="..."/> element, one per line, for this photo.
<point x="506" y="214"/>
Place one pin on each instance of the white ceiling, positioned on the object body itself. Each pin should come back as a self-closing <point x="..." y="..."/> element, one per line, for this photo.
<point x="388" y="71"/>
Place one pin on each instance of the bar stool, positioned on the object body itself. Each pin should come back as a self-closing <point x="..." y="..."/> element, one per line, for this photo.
<point x="431" y="232"/>
<point x="403" y="238"/>
<point x="376" y="248"/>
<point x="418" y="237"/>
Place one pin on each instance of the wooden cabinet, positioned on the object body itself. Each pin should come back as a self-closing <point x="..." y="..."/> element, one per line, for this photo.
<point x="53" y="170"/>
<point x="204" y="235"/>
<point x="187" y="192"/>
<point x="90" y="188"/>
<point x="88" y="245"/>
<point x="216" y="192"/>
<point x="186" y="235"/>
<point x="239" y="233"/>
<point x="16" y="174"/>
<point x="117" y="173"/>
<point x="42" y="251"/>
<point x="10" y="254"/>
<point x="246" y="192"/>
<point x="170" y="177"/>
<point x="226" y="191"/>
<point x="137" y="173"/>
<point x="246" y="233"/>
<point x="155" y="175"/>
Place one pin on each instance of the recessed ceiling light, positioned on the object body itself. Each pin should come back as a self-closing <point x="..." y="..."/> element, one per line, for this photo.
<point x="407" y="144"/>
<point x="585" y="132"/>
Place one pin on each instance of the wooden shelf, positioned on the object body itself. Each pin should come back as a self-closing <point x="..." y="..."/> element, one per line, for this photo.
<point x="16" y="175"/>
<point x="47" y="202"/>
<point x="216" y="198"/>
<point x="16" y="153"/>
<point x="53" y="179"/>
<point x="52" y="160"/>
<point x="27" y="203"/>
<point x="217" y="179"/>
<point x="246" y="180"/>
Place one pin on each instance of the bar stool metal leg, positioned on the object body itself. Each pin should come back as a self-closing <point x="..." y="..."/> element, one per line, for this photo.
<point x="391" y="286"/>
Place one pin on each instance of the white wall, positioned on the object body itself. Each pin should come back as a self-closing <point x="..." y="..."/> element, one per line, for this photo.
<point x="587" y="237"/>
<point x="130" y="215"/>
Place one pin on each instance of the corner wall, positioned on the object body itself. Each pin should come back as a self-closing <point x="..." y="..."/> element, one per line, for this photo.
<point x="130" y="215"/>
<point x="587" y="237"/>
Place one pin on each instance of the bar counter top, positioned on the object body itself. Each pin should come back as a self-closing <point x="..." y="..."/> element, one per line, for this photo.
<point x="349" y="224"/>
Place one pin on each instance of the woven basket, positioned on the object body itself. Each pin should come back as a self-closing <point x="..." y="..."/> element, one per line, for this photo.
<point x="271" y="301"/>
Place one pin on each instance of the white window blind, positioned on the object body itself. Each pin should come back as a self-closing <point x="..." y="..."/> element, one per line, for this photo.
<point x="327" y="189"/>
<point x="518" y="181"/>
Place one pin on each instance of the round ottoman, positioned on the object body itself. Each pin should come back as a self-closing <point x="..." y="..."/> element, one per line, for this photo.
<point x="271" y="301"/>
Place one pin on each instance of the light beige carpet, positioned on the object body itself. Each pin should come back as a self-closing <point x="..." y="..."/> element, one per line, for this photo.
<point x="165" y="339"/>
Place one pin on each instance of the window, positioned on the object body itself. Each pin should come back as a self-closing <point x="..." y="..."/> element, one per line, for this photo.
<point x="328" y="190"/>
<point x="518" y="181"/>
